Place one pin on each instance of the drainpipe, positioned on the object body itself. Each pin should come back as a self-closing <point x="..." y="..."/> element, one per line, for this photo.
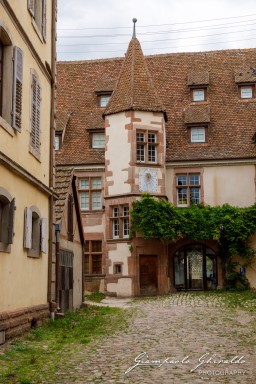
<point x="57" y="281"/>
<point x="50" y="294"/>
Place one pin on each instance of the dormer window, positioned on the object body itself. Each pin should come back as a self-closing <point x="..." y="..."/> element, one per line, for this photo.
<point x="198" y="94"/>
<point x="198" y="135"/>
<point x="104" y="99"/>
<point x="247" y="91"/>
<point x="98" y="140"/>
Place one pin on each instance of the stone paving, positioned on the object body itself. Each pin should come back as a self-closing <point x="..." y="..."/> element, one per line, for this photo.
<point x="178" y="337"/>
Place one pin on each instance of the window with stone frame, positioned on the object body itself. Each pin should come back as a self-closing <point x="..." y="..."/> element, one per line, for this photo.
<point x="7" y="208"/>
<point x="120" y="222"/>
<point x="93" y="257"/>
<point x="90" y="193"/>
<point x="146" y="147"/>
<point x="188" y="189"/>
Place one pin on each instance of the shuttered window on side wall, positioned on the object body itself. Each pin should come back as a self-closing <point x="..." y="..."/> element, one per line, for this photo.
<point x="35" y="114"/>
<point x="17" y="89"/>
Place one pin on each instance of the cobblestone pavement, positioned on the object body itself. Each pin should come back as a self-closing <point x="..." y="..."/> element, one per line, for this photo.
<point x="175" y="333"/>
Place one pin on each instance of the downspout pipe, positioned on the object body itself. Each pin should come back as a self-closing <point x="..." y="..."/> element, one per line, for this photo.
<point x="51" y="295"/>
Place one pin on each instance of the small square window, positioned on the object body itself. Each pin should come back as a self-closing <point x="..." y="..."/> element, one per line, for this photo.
<point x="104" y="99"/>
<point x="198" y="94"/>
<point x="117" y="269"/>
<point x="98" y="140"/>
<point x="197" y="135"/>
<point x="246" y="92"/>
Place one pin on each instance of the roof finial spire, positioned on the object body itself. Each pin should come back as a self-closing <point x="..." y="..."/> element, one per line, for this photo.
<point x="134" y="30"/>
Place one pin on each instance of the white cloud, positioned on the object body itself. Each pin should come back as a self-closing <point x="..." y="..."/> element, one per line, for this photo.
<point x="75" y="20"/>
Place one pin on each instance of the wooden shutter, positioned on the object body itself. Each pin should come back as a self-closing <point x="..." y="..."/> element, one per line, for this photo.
<point x="28" y="229"/>
<point x="44" y="20"/>
<point x="44" y="235"/>
<point x="11" y="222"/>
<point x="31" y="7"/>
<point x="70" y="218"/>
<point x="17" y="88"/>
<point x="35" y="113"/>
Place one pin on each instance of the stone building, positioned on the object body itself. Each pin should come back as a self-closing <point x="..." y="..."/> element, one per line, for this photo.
<point x="27" y="86"/>
<point x="178" y="126"/>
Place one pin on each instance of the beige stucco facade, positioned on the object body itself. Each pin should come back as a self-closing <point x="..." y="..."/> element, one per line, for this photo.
<point x="26" y="161"/>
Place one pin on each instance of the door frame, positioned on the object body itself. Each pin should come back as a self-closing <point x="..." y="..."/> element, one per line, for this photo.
<point x="204" y="274"/>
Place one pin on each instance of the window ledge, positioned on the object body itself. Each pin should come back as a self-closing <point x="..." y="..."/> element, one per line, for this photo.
<point x="33" y="253"/>
<point x="5" y="247"/>
<point x="193" y="102"/>
<point x="253" y="100"/>
<point x="6" y="126"/>
<point x="35" y="153"/>
<point x="148" y="164"/>
<point x="119" y="240"/>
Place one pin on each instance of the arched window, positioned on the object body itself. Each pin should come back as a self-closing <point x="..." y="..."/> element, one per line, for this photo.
<point x="195" y="268"/>
<point x="7" y="207"/>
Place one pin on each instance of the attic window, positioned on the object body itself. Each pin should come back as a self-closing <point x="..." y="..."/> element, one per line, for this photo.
<point x="98" y="140"/>
<point x="247" y="91"/>
<point x="103" y="100"/>
<point x="199" y="94"/>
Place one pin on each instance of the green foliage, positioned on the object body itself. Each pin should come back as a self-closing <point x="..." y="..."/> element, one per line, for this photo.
<point x="229" y="226"/>
<point x="97" y="297"/>
<point x="44" y="352"/>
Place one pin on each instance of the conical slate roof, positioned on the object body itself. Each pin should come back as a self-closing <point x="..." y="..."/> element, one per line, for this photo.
<point x="134" y="89"/>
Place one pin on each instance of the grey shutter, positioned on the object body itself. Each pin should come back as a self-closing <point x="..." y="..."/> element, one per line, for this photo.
<point x="11" y="222"/>
<point x="44" y="20"/>
<point x="31" y="7"/>
<point x="17" y="88"/>
<point x="44" y="235"/>
<point x="35" y="113"/>
<point x="28" y="229"/>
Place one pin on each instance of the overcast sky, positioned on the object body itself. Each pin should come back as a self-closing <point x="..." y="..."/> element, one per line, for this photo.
<point x="95" y="29"/>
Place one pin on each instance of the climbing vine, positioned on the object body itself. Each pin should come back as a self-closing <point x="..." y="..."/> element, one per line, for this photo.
<point x="229" y="226"/>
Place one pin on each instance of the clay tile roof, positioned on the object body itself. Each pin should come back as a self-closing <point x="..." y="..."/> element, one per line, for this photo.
<point x="62" y="120"/>
<point x="134" y="89"/>
<point x="197" y="114"/>
<point x="198" y="78"/>
<point x="62" y="183"/>
<point x="245" y="75"/>
<point x="105" y="85"/>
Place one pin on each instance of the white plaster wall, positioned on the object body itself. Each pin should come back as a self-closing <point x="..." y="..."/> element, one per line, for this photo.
<point x="118" y="152"/>
<point x="234" y="185"/>
<point x="123" y="288"/>
<point x="119" y="255"/>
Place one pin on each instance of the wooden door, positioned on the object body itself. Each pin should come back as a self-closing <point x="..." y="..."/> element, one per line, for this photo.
<point x="148" y="274"/>
<point x="66" y="281"/>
